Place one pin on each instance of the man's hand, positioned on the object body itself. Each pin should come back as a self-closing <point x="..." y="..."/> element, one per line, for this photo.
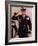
<point x="29" y="32"/>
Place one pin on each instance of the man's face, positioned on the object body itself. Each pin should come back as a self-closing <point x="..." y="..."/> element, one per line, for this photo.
<point x="23" y="12"/>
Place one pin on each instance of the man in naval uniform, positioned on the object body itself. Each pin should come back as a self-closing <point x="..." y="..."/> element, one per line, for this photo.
<point x="24" y="24"/>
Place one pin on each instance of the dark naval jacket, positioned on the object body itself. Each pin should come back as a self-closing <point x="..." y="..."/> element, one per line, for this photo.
<point x="24" y="23"/>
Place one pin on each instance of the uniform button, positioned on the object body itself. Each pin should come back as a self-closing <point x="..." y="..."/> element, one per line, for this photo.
<point x="24" y="25"/>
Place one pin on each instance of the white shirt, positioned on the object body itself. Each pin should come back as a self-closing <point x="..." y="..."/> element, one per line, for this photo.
<point x="23" y="16"/>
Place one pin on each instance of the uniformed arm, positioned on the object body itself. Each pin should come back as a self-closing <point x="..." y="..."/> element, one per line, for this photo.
<point x="14" y="18"/>
<point x="29" y="23"/>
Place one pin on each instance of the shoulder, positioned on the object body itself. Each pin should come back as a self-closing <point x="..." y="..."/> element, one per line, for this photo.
<point x="27" y="17"/>
<point x="19" y="16"/>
